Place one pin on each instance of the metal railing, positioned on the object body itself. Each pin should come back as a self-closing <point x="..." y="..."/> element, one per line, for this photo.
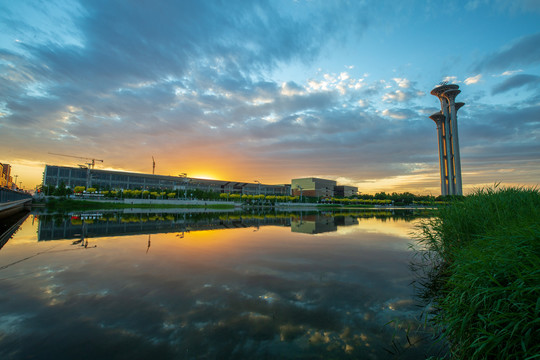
<point x="7" y="195"/>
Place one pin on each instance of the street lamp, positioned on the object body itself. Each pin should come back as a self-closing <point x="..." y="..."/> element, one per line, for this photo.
<point x="185" y="181"/>
<point x="299" y="187"/>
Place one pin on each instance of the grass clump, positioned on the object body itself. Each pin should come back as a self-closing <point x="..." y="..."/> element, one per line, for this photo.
<point x="485" y="252"/>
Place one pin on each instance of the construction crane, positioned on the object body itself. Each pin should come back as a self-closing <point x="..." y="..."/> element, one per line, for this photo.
<point x="90" y="164"/>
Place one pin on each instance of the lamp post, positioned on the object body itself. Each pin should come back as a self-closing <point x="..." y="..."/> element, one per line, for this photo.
<point x="301" y="189"/>
<point x="259" y="188"/>
<point x="185" y="181"/>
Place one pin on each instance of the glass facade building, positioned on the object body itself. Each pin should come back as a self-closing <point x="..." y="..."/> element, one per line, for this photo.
<point x="118" y="180"/>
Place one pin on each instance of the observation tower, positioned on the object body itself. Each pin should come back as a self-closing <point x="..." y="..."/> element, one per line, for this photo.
<point x="447" y="134"/>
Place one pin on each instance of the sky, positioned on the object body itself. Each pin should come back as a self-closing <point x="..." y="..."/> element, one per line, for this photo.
<point x="271" y="90"/>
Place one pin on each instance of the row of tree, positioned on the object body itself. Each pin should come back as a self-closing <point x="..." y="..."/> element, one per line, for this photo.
<point x="405" y="197"/>
<point x="258" y="198"/>
<point x="380" y="198"/>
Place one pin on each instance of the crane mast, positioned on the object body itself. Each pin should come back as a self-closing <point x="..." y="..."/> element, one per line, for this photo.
<point x="90" y="164"/>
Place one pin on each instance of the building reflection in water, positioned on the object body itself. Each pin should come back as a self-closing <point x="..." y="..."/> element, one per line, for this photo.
<point x="56" y="227"/>
<point x="321" y="223"/>
<point x="234" y="294"/>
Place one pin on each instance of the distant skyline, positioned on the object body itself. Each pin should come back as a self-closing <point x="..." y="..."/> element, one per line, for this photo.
<point x="271" y="90"/>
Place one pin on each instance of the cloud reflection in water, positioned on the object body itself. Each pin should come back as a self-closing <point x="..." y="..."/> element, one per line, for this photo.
<point x="212" y="294"/>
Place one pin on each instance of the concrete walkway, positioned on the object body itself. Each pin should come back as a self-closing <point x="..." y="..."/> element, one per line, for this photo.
<point x="12" y="207"/>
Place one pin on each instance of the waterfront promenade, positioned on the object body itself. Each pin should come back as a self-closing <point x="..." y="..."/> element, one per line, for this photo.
<point x="12" y="202"/>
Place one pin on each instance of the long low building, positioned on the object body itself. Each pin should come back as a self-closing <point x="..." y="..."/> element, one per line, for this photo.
<point x="109" y="179"/>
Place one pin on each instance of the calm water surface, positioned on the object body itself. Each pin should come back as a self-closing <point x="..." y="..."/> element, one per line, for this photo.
<point x="126" y="285"/>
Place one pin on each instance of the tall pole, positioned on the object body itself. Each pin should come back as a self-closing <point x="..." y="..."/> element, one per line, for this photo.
<point x="88" y="178"/>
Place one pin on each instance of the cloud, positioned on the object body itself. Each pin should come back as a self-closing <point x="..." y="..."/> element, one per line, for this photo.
<point x="509" y="72"/>
<point x="290" y="89"/>
<point x="473" y="79"/>
<point x="179" y="69"/>
<point x="398" y="95"/>
<point x="191" y="38"/>
<point x="523" y="52"/>
<point x="517" y="81"/>
<point x="402" y="95"/>
<point x="399" y="114"/>
<point x="450" y="79"/>
<point x="342" y="82"/>
<point x="517" y="6"/>
<point x="403" y="83"/>
<point x="525" y="6"/>
<point x="510" y="127"/>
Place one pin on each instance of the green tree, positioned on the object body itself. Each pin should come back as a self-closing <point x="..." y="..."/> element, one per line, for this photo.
<point x="62" y="190"/>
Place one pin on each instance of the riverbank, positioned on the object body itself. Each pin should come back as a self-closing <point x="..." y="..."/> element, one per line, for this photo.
<point x="484" y="285"/>
<point x="66" y="204"/>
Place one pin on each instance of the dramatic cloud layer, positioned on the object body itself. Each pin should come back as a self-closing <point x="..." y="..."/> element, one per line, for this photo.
<point x="515" y="82"/>
<point x="267" y="90"/>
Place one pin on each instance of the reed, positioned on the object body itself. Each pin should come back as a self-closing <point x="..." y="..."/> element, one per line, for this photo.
<point x="484" y="283"/>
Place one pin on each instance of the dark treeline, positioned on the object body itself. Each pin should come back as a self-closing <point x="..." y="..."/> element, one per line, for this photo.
<point x="405" y="198"/>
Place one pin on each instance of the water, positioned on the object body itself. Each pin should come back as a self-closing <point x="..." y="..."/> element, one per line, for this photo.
<point x="176" y="285"/>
